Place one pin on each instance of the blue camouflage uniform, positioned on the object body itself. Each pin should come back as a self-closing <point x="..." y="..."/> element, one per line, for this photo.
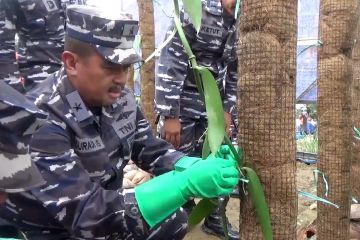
<point x="176" y="91"/>
<point x="39" y="25"/>
<point x="19" y="118"/>
<point x="81" y="153"/>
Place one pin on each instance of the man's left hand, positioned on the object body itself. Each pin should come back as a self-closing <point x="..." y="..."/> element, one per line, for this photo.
<point x="141" y="177"/>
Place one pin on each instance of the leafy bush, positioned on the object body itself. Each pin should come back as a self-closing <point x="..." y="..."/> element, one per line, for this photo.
<point x="308" y="144"/>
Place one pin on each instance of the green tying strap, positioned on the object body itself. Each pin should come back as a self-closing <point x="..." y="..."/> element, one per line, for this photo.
<point x="316" y="198"/>
<point x="357" y="133"/>
<point x="324" y="179"/>
<point x="237" y="8"/>
<point x="317" y="44"/>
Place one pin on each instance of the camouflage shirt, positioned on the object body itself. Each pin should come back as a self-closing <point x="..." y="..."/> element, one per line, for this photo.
<point x="19" y="119"/>
<point x="214" y="48"/>
<point x="81" y="155"/>
<point x="39" y="25"/>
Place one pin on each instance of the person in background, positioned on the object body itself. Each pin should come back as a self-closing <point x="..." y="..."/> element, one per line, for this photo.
<point x="39" y="27"/>
<point x="19" y="119"/>
<point x="182" y="113"/>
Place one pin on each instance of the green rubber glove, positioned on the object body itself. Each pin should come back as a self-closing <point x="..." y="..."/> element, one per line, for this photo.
<point x="225" y="152"/>
<point x="163" y="195"/>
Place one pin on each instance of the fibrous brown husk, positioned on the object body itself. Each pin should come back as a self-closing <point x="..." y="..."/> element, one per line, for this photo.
<point x="146" y="17"/>
<point x="271" y="16"/>
<point x="270" y="89"/>
<point x="340" y="39"/>
<point x="330" y="6"/>
<point x="260" y="53"/>
<point x="337" y="73"/>
<point x="335" y="68"/>
<point x="266" y="89"/>
<point x="337" y="26"/>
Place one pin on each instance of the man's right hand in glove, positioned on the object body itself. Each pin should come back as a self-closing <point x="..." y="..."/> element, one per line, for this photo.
<point x="163" y="195"/>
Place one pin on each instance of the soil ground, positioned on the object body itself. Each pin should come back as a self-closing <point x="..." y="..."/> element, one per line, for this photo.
<point x="306" y="207"/>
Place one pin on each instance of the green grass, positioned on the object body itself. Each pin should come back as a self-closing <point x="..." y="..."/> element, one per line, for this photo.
<point x="308" y="144"/>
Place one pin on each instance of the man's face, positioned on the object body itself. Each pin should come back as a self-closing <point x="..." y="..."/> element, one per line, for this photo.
<point x="98" y="81"/>
<point x="229" y="7"/>
<point x="3" y="197"/>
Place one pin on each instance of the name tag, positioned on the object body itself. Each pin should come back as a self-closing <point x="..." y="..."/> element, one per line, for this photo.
<point x="211" y="30"/>
<point x="86" y="145"/>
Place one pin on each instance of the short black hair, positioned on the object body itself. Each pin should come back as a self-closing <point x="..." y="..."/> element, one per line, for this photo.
<point x="80" y="48"/>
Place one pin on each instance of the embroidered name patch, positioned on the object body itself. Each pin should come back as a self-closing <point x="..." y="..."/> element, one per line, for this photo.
<point x="86" y="145"/>
<point x="211" y="30"/>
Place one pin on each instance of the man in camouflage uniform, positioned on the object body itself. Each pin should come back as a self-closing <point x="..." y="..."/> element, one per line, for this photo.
<point x="94" y="128"/>
<point x="39" y="25"/>
<point x="19" y="118"/>
<point x="181" y="109"/>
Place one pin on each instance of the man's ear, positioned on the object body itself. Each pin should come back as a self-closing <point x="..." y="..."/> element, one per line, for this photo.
<point x="70" y="61"/>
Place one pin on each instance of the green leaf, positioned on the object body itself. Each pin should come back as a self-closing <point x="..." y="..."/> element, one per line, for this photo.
<point x="202" y="209"/>
<point x="194" y="9"/>
<point x="357" y="131"/>
<point x="214" y="108"/>
<point x="206" y="148"/>
<point x="258" y="199"/>
<point x="182" y="35"/>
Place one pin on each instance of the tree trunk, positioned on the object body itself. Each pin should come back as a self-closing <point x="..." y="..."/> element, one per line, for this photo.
<point x="267" y="63"/>
<point x="130" y="79"/>
<point x="146" y="17"/>
<point x="355" y="96"/>
<point x="337" y="24"/>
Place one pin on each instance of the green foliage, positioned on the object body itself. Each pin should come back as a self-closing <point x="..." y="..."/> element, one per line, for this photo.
<point x="194" y="9"/>
<point x="214" y="108"/>
<point x="308" y="144"/>
<point x="257" y="196"/>
<point x="312" y="110"/>
<point x="203" y="209"/>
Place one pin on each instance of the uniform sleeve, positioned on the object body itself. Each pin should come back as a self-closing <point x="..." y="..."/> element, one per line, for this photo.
<point x="83" y="207"/>
<point x="172" y="69"/>
<point x="231" y="76"/>
<point x="8" y="64"/>
<point x="231" y="87"/>
<point x="152" y="154"/>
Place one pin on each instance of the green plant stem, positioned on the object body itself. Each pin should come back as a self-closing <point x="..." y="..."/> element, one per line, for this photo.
<point x="235" y="153"/>
<point x="182" y="35"/>
<point x="192" y="58"/>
